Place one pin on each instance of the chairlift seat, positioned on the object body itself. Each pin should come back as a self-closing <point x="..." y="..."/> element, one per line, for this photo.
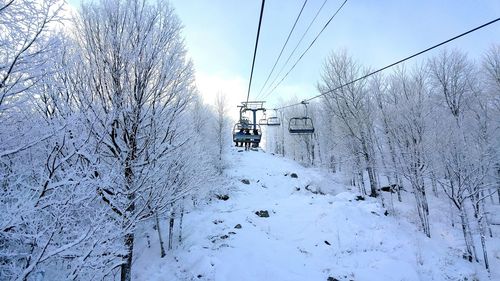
<point x="252" y="138"/>
<point x="301" y="125"/>
<point x="273" y="121"/>
<point x="263" y="122"/>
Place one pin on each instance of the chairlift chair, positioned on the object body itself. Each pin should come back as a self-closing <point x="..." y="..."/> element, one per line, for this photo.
<point x="254" y="137"/>
<point x="244" y="121"/>
<point x="301" y="125"/>
<point x="263" y="122"/>
<point x="273" y="121"/>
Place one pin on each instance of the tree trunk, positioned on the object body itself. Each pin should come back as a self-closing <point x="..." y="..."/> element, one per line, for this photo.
<point x="399" y="187"/>
<point x="498" y="182"/>
<point x="180" y="222"/>
<point x="171" y="231"/>
<point x="485" y="252"/>
<point x="469" y="242"/>
<point x="452" y="215"/>
<point x="162" y="247"/>
<point x="127" y="226"/>
<point x="370" y="167"/>
<point x="126" y="268"/>
<point x="373" y="181"/>
<point x="482" y="221"/>
<point x="333" y="166"/>
<point x="434" y="184"/>
<point x="422" y="206"/>
<point x="359" y="177"/>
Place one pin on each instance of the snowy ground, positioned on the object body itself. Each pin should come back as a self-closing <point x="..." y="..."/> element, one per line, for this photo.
<point x="309" y="235"/>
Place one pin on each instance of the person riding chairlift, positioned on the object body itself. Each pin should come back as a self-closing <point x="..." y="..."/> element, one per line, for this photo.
<point x="255" y="133"/>
<point x="239" y="136"/>
<point x="247" y="139"/>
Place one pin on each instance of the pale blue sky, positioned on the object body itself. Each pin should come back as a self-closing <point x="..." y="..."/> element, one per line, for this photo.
<point x="220" y="36"/>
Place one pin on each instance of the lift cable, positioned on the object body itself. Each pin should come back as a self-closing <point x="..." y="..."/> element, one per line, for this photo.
<point x="283" y="48"/>
<point x="390" y="65"/>
<point x="255" y="50"/>
<point x="310" y="45"/>
<point x="296" y="46"/>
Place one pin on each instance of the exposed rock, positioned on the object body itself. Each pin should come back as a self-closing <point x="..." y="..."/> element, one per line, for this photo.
<point x="238" y="226"/>
<point x="218" y="221"/>
<point x="224" y="236"/>
<point x="262" y="213"/>
<point x="467" y="257"/>
<point x="391" y="188"/>
<point x="294" y="175"/>
<point x="327" y="243"/>
<point x="332" y="279"/>
<point x="360" y="198"/>
<point x="386" y="189"/>
<point x="222" y="197"/>
<point x="231" y="233"/>
<point x="314" y="190"/>
<point x="245" y="181"/>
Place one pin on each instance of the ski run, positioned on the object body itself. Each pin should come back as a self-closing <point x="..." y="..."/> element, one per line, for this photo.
<point x="318" y="229"/>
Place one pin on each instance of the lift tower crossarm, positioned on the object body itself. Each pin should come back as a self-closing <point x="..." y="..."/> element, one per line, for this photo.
<point x="253" y="106"/>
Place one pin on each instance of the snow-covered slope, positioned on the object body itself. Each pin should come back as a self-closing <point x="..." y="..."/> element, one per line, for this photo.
<point x="316" y="230"/>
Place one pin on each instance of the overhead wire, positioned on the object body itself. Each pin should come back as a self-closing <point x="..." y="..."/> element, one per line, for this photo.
<point x="255" y="50"/>
<point x="391" y="65"/>
<point x="308" y="48"/>
<point x="298" y="44"/>
<point x="283" y="48"/>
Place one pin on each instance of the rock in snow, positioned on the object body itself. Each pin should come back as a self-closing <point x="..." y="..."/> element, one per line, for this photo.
<point x="262" y="213"/>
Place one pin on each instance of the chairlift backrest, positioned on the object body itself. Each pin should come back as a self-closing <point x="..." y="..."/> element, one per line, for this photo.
<point x="273" y="121"/>
<point x="300" y="125"/>
<point x="240" y="126"/>
<point x="263" y="122"/>
<point x="240" y="133"/>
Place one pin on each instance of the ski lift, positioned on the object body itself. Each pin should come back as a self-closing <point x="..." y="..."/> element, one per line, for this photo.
<point x="302" y="125"/>
<point x="273" y="120"/>
<point x="240" y="133"/>
<point x="244" y="121"/>
<point x="263" y="121"/>
<point x="245" y="130"/>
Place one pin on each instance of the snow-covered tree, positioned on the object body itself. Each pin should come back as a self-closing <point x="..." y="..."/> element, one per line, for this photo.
<point x="221" y="131"/>
<point x="352" y="107"/>
<point x="491" y="74"/>
<point x="408" y="128"/>
<point x="25" y="46"/>
<point x="463" y="159"/>
<point x="134" y="87"/>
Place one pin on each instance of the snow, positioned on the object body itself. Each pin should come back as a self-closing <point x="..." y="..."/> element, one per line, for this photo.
<point x="307" y="236"/>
